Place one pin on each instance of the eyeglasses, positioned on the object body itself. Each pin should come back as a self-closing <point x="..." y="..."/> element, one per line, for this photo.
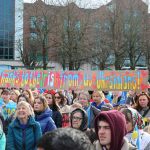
<point x="76" y="118"/>
<point x="58" y="97"/>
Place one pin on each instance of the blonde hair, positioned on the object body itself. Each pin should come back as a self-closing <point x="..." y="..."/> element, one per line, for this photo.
<point x="101" y="95"/>
<point x="27" y="106"/>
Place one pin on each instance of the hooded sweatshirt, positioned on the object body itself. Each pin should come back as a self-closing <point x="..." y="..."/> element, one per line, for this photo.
<point x="117" y="123"/>
<point x="84" y="123"/>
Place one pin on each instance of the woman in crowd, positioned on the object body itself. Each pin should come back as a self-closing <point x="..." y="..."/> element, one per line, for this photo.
<point x="134" y="124"/>
<point x="143" y="107"/>
<point x="98" y="98"/>
<point x="24" y="131"/>
<point x="56" y="115"/>
<point x="61" y="102"/>
<point x="14" y="95"/>
<point x="22" y="97"/>
<point x="79" y="119"/>
<point x="29" y="94"/>
<point x="43" y="114"/>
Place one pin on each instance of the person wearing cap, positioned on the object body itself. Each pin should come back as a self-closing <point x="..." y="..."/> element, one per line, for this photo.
<point x="110" y="127"/>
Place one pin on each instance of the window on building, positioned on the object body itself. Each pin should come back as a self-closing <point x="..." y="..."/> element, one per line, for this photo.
<point x="33" y="22"/>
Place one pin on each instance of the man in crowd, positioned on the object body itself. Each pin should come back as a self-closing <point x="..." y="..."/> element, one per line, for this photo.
<point x="110" y="127"/>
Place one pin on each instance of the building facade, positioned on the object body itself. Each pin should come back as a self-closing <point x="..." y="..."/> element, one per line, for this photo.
<point x="10" y="11"/>
<point x="69" y="21"/>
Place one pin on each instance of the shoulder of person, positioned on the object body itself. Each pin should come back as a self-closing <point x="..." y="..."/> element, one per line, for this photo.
<point x="127" y="145"/>
<point x="97" y="145"/>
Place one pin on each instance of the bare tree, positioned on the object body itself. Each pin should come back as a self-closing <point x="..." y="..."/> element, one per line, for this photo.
<point x="73" y="36"/>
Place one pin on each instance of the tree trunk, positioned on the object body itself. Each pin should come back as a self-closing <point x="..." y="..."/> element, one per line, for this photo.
<point x="44" y="59"/>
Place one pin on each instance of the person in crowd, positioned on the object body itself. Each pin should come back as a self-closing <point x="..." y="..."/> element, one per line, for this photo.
<point x="98" y="98"/>
<point x="64" y="108"/>
<point x="22" y="97"/>
<point x="131" y="98"/>
<point x="2" y="138"/>
<point x="29" y="94"/>
<point x="43" y="114"/>
<point x="35" y="92"/>
<point x="24" y="131"/>
<point x="56" y="115"/>
<point x="134" y="123"/>
<point x="65" y="139"/>
<point x="79" y="119"/>
<point x="110" y="127"/>
<point x="116" y="97"/>
<point x="14" y="95"/>
<point x="83" y="99"/>
<point x="61" y="102"/>
<point x="143" y="106"/>
<point x="8" y="108"/>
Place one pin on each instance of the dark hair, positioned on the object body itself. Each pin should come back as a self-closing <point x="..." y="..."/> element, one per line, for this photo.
<point x="62" y="97"/>
<point x="24" y="96"/>
<point x="138" y="107"/>
<point x="5" y="91"/>
<point x="54" y="105"/>
<point x="65" y="139"/>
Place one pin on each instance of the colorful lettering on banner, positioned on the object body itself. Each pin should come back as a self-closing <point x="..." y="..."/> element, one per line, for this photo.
<point x="80" y="80"/>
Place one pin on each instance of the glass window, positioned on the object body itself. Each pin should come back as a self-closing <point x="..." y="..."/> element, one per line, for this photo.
<point x="33" y="21"/>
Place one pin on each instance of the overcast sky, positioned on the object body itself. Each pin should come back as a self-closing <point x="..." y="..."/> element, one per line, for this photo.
<point x="88" y="3"/>
<point x="93" y="3"/>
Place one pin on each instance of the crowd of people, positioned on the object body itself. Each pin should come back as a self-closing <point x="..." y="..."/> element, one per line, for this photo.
<point x="78" y="120"/>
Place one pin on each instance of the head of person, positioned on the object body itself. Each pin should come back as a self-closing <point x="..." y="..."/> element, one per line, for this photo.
<point x="98" y="97"/>
<point x="64" y="139"/>
<point x="24" y="110"/>
<point x="79" y="119"/>
<point x="143" y="101"/>
<point x="59" y="98"/>
<point x="40" y="104"/>
<point x="83" y="99"/>
<point x="29" y="94"/>
<point x="51" y="101"/>
<point x="35" y="93"/>
<point x="22" y="97"/>
<point x="110" y="128"/>
<point x="14" y="95"/>
<point x="133" y="119"/>
<point x="5" y="95"/>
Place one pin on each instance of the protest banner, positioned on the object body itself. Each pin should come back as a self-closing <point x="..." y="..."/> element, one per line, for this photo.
<point x="76" y="80"/>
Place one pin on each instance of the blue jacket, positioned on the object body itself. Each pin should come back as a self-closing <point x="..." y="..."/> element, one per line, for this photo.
<point x="19" y="138"/>
<point x="2" y="139"/>
<point x="45" y="120"/>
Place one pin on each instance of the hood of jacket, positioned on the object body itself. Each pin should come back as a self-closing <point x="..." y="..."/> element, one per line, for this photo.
<point x="84" y="123"/>
<point x="117" y="123"/>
